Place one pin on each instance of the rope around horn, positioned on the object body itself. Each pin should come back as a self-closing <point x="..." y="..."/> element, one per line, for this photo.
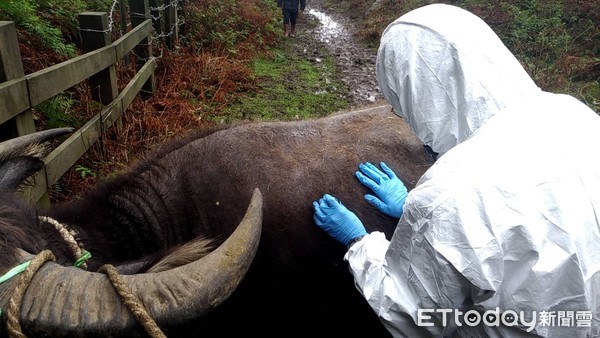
<point x="69" y="236"/>
<point x="16" y="300"/>
<point x="14" y="304"/>
<point x="136" y="308"/>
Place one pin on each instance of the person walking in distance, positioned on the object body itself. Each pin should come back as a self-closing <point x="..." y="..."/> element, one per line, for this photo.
<point x="290" y="10"/>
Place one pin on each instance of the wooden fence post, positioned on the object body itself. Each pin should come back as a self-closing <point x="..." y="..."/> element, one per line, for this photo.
<point x="11" y="67"/>
<point x="181" y="29"/>
<point x="95" y="34"/>
<point x="171" y="24"/>
<point x="22" y="92"/>
<point x="123" y="17"/>
<point x="140" y="12"/>
<point x="155" y="14"/>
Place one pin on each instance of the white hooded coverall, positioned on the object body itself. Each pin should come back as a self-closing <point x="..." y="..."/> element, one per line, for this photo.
<point x="507" y="219"/>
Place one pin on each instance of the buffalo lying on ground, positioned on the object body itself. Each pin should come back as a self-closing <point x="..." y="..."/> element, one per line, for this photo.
<point x="200" y="186"/>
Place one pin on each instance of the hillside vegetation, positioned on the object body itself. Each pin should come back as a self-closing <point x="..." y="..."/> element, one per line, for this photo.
<point x="232" y="50"/>
<point x="557" y="41"/>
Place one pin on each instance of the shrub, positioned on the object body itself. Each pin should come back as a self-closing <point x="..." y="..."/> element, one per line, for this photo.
<point x="25" y="15"/>
<point x="52" y="22"/>
<point x="230" y="25"/>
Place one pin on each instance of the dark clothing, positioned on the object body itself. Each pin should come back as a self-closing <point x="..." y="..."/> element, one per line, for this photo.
<point x="289" y="17"/>
<point x="291" y="5"/>
<point x="289" y="9"/>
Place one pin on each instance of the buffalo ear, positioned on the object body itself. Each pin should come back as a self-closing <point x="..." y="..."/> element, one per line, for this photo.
<point x="14" y="171"/>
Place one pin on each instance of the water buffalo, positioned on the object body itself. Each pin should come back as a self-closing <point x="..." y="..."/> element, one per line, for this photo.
<point x="200" y="185"/>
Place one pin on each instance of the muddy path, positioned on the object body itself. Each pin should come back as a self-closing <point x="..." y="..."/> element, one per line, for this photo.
<point x="318" y="28"/>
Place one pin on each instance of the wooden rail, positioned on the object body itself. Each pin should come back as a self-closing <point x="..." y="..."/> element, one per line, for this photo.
<point x="28" y="91"/>
<point x="19" y="92"/>
<point x="68" y="152"/>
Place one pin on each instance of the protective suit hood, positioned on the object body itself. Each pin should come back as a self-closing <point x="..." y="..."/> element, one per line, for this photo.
<point x="507" y="220"/>
<point x="437" y="66"/>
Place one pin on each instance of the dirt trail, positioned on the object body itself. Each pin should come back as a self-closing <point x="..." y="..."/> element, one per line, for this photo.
<point x="355" y="62"/>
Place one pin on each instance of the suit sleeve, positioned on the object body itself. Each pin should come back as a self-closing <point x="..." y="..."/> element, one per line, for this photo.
<point x="392" y="303"/>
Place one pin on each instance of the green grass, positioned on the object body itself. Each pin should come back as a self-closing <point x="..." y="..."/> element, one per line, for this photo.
<point x="289" y="86"/>
<point x="59" y="111"/>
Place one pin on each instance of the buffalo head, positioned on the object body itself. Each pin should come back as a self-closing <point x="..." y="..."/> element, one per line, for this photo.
<point x="64" y="300"/>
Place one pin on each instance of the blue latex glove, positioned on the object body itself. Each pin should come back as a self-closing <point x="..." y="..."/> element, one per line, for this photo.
<point x="391" y="192"/>
<point x="339" y="222"/>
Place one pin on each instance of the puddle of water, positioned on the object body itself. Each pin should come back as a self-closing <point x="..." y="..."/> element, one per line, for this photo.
<point x="329" y="28"/>
<point x="339" y="40"/>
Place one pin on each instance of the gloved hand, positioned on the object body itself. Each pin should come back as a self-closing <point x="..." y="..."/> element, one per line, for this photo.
<point x="391" y="192"/>
<point x="339" y="222"/>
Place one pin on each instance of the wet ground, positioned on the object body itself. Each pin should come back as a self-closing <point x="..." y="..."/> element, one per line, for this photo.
<point x="356" y="63"/>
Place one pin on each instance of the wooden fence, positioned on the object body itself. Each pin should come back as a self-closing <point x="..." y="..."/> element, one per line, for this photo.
<point x="20" y="92"/>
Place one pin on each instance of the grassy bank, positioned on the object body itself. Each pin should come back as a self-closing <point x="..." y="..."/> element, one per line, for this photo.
<point x="289" y="86"/>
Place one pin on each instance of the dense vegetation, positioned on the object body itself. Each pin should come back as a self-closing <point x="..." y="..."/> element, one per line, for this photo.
<point x="209" y="67"/>
<point x="230" y="64"/>
<point x="51" y="25"/>
<point x="555" y="40"/>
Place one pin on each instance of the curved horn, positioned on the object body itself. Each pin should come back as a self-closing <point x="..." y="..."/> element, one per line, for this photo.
<point x="67" y="301"/>
<point x="37" y="137"/>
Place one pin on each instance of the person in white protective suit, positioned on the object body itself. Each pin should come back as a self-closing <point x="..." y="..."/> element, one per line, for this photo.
<point x="501" y="236"/>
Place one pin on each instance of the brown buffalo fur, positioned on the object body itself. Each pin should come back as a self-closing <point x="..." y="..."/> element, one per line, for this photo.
<point x="199" y="186"/>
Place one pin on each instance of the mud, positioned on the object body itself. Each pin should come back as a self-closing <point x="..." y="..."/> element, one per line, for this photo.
<point x="356" y="63"/>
